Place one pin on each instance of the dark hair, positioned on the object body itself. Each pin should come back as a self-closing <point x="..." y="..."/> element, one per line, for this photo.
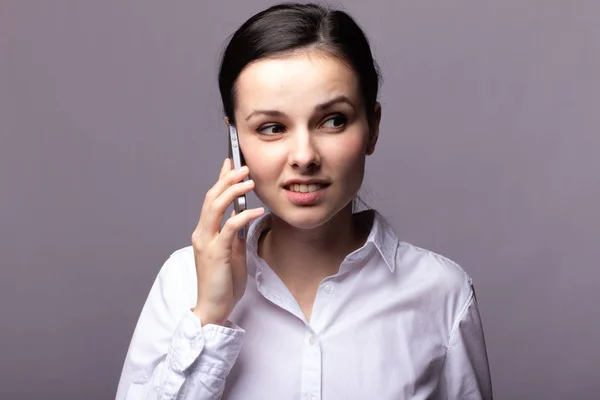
<point x="290" y="27"/>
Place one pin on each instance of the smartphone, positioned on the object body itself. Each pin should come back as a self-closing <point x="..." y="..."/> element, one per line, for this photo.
<point x="239" y="204"/>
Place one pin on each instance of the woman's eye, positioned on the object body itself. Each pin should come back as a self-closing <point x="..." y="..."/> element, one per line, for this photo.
<point x="270" y="130"/>
<point x="335" y="122"/>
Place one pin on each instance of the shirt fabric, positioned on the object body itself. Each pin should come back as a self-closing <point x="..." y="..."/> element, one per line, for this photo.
<point x="396" y="322"/>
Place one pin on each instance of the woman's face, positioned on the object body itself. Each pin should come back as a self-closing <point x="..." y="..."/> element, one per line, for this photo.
<point x="304" y="134"/>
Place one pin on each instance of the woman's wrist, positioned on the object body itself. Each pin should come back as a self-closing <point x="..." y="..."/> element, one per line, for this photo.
<point x="208" y="318"/>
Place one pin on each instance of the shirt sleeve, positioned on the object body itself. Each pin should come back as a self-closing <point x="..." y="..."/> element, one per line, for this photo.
<point x="465" y="374"/>
<point x="171" y="355"/>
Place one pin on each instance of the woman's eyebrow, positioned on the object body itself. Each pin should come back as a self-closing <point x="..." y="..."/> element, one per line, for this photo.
<point x="269" y="113"/>
<point x="319" y="107"/>
<point x="334" y="101"/>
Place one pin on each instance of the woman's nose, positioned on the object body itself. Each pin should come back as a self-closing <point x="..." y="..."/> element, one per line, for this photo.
<point x="303" y="152"/>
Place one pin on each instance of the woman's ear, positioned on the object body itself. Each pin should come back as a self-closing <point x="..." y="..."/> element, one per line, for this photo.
<point x="374" y="129"/>
<point x="226" y="121"/>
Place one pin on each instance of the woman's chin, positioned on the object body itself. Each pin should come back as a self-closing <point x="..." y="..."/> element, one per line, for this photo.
<point x="306" y="218"/>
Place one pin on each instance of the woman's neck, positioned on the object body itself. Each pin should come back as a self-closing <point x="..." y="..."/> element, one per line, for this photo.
<point x="302" y="258"/>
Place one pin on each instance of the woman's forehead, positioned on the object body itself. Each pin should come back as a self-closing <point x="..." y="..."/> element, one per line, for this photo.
<point x="299" y="80"/>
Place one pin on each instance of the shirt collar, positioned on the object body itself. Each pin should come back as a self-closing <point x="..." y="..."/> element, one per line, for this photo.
<point x="384" y="238"/>
<point x="381" y="235"/>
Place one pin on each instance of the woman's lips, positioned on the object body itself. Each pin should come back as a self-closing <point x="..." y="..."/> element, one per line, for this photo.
<point x="312" y="196"/>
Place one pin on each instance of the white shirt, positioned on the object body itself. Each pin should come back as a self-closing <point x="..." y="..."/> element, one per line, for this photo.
<point x="396" y="322"/>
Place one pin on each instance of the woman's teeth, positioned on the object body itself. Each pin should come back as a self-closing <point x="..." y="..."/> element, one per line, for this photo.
<point x="313" y="187"/>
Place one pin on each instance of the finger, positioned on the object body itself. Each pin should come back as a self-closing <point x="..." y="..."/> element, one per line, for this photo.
<point x="225" y="167"/>
<point x="235" y="223"/>
<point x="238" y="242"/>
<point x="238" y="251"/>
<point x="230" y="177"/>
<point x="221" y="203"/>
<point x="209" y="214"/>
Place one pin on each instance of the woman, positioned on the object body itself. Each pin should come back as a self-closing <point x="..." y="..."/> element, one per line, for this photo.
<point x="319" y="302"/>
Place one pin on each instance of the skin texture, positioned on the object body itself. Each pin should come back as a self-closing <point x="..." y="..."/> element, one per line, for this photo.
<point x="299" y="116"/>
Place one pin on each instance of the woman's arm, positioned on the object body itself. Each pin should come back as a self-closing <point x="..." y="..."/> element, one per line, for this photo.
<point x="465" y="374"/>
<point x="171" y="355"/>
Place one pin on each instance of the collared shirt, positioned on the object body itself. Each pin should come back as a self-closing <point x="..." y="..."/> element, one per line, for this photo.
<point x="396" y="322"/>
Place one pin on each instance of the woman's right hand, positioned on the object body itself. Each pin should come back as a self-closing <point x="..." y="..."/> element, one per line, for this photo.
<point x="219" y="254"/>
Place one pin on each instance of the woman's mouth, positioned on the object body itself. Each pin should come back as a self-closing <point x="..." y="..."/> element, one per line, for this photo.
<point x="305" y="194"/>
<point x="305" y="188"/>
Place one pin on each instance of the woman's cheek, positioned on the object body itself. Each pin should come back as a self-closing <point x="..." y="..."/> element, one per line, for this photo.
<point x="262" y="179"/>
<point x="354" y="154"/>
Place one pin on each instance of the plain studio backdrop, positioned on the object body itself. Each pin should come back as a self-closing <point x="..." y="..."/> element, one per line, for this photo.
<point x="111" y="132"/>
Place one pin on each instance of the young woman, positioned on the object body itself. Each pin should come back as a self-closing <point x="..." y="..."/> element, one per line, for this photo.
<point x="319" y="302"/>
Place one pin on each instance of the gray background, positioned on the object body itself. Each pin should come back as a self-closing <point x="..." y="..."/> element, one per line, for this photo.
<point x="111" y="133"/>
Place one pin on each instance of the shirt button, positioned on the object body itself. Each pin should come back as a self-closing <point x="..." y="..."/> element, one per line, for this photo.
<point x="329" y="289"/>
<point x="312" y="340"/>
<point x="311" y="397"/>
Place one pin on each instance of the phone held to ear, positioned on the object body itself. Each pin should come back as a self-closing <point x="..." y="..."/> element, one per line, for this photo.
<point x="239" y="204"/>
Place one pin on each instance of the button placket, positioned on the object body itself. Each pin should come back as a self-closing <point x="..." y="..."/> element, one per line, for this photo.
<point x="311" y="367"/>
